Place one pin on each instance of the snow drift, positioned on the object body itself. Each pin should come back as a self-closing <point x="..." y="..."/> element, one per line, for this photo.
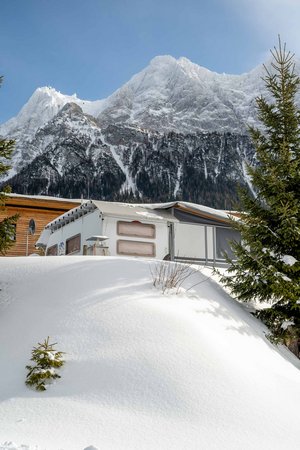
<point x="143" y="370"/>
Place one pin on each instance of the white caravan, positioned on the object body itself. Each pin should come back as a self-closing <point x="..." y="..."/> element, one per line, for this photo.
<point x="176" y="230"/>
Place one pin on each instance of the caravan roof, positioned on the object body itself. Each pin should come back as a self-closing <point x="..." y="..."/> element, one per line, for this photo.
<point x="114" y="209"/>
<point x="192" y="208"/>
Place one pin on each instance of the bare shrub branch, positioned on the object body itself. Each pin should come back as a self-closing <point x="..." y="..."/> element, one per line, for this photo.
<point x="167" y="276"/>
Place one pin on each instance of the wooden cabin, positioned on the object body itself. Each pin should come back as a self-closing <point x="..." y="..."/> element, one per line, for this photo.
<point x="41" y="209"/>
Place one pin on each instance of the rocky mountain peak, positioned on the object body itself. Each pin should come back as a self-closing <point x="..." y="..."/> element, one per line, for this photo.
<point x="70" y="109"/>
<point x="42" y="106"/>
<point x="175" y="128"/>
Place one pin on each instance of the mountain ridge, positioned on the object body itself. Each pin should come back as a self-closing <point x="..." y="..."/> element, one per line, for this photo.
<point x="57" y="99"/>
<point x="163" y="84"/>
<point x="173" y="100"/>
<point x="78" y="157"/>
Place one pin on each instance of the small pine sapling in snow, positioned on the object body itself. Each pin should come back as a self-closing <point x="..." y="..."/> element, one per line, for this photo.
<point x="47" y="361"/>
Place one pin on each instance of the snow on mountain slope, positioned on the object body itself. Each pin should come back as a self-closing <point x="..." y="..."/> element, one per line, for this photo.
<point x="169" y="94"/>
<point x="143" y="371"/>
<point x="72" y="156"/>
<point x="42" y="106"/>
<point x="178" y="95"/>
<point x="68" y="121"/>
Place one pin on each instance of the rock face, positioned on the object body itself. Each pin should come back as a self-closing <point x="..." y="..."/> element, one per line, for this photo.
<point x="77" y="157"/>
<point x="174" y="131"/>
<point x="177" y="95"/>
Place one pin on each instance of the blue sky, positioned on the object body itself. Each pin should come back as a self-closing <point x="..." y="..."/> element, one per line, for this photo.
<point x="92" y="47"/>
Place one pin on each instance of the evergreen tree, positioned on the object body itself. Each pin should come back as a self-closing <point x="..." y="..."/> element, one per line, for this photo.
<point x="267" y="266"/>
<point x="7" y="225"/>
<point x="47" y="361"/>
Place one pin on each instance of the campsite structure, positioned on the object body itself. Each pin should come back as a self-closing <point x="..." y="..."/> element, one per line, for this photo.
<point x="32" y="209"/>
<point x="177" y="231"/>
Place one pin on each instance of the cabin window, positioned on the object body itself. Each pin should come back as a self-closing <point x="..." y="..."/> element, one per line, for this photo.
<point x="223" y="238"/>
<point x="73" y="244"/>
<point x="52" y="251"/>
<point x="136" y="229"/>
<point x="135" y="248"/>
<point x="13" y="235"/>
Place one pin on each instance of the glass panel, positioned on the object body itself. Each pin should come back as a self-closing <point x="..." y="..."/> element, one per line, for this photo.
<point x="223" y="238"/>
<point x="52" y="251"/>
<point x="135" y="248"/>
<point x="73" y="244"/>
<point x="14" y="234"/>
<point x="136" y="229"/>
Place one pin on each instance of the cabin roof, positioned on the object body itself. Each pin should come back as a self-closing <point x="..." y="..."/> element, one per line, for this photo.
<point x="40" y="202"/>
<point x="42" y="197"/>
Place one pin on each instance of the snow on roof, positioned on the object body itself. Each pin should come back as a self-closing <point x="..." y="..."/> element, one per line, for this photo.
<point x="114" y="209"/>
<point x="192" y="207"/>
<point x="43" y="239"/>
<point x="131" y="210"/>
<point x="159" y="211"/>
<point x="44" y="197"/>
<point x="71" y="215"/>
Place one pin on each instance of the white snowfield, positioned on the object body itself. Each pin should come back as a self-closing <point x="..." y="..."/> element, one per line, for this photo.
<point x="143" y="371"/>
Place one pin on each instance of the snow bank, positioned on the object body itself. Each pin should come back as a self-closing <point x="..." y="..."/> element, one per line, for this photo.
<point x="143" y="371"/>
<point x="12" y="446"/>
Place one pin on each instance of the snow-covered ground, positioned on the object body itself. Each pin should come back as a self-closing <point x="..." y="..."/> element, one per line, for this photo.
<point x="143" y="370"/>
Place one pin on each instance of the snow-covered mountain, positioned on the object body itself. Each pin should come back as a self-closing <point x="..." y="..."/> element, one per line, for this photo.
<point x="42" y="106"/>
<point x="72" y="156"/>
<point x="181" y="96"/>
<point x="40" y="109"/>
<point x="169" y="95"/>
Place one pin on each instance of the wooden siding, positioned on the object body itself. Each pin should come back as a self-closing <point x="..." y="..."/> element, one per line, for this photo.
<point x="42" y="211"/>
